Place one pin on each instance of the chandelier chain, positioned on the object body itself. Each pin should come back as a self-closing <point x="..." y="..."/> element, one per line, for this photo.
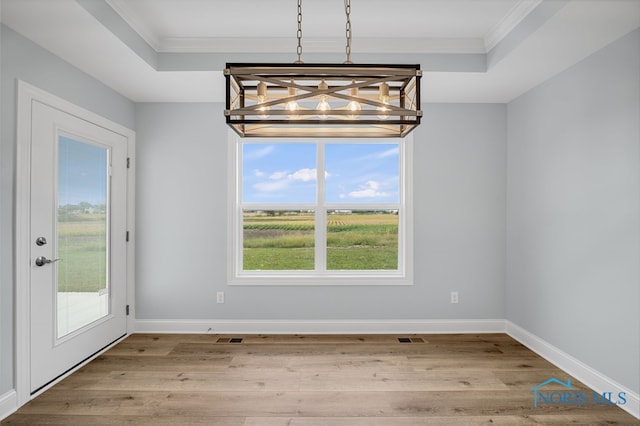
<point x="347" y="10"/>
<point x="299" y="33"/>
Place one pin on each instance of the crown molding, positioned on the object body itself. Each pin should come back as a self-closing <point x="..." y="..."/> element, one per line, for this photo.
<point x="320" y="45"/>
<point x="122" y="8"/>
<point x="511" y="20"/>
<point x="287" y="44"/>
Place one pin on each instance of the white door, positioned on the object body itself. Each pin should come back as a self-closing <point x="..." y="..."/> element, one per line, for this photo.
<point x="78" y="241"/>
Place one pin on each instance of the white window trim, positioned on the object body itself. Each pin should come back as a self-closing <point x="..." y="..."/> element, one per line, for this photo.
<point x="404" y="274"/>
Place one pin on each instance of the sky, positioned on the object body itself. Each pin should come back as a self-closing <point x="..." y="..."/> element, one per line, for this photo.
<point x="355" y="173"/>
<point x="82" y="173"/>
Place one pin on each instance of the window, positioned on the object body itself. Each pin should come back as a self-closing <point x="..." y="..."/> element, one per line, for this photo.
<point x="320" y="212"/>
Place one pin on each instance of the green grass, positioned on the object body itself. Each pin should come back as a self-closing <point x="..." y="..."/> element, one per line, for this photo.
<point x="354" y="242"/>
<point x="362" y="258"/>
<point x="278" y="259"/>
<point x="82" y="250"/>
<point x="289" y="240"/>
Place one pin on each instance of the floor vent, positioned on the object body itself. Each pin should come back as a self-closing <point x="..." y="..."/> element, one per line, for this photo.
<point x="410" y="340"/>
<point x="229" y="340"/>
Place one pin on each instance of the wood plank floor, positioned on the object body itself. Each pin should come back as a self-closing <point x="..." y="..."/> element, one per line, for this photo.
<point x="311" y="381"/>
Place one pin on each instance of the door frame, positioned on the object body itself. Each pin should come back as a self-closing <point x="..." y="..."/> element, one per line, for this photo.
<point x="27" y="94"/>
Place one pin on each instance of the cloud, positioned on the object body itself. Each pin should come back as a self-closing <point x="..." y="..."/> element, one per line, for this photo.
<point x="276" y="185"/>
<point x="304" y="175"/>
<point x="277" y="175"/>
<point x="391" y="152"/>
<point x="369" y="190"/>
<point x="279" y="181"/>
<point x="260" y="153"/>
<point x="388" y="153"/>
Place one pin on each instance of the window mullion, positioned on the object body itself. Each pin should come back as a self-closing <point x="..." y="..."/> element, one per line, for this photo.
<point x="238" y="219"/>
<point x="321" y="212"/>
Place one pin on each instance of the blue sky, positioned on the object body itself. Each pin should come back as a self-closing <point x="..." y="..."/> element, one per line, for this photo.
<point x="287" y="173"/>
<point x="82" y="172"/>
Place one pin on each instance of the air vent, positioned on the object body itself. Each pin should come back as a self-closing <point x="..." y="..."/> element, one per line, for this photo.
<point x="410" y="340"/>
<point x="230" y="340"/>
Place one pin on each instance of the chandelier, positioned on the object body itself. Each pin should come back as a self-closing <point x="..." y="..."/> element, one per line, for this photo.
<point x="322" y="100"/>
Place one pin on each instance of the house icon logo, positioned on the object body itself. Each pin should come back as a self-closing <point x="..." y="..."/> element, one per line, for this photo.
<point x="537" y="392"/>
<point x="568" y="395"/>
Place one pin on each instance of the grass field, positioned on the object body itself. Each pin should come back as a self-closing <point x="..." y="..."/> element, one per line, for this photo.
<point x="82" y="248"/>
<point x="355" y="241"/>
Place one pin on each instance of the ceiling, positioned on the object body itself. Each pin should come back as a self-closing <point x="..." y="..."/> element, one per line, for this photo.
<point x="175" y="50"/>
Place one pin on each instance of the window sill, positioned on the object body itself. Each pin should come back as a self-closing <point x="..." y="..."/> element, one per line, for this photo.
<point x="324" y="280"/>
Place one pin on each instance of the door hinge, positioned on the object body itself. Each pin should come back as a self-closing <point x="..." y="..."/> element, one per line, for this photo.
<point x="128" y="163"/>
<point x="127" y="237"/>
<point x="127" y="309"/>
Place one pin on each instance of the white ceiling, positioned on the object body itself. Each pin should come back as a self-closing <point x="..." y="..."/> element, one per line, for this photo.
<point x="174" y="50"/>
<point x="164" y="22"/>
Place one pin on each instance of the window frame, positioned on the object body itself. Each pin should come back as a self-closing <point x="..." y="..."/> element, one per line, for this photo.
<point x="320" y="276"/>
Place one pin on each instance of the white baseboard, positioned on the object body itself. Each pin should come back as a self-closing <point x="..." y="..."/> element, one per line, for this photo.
<point x="587" y="375"/>
<point x="319" y="327"/>
<point x="8" y="404"/>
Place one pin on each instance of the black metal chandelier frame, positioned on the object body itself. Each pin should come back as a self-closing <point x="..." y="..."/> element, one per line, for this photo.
<point x="322" y="100"/>
<point x="250" y="116"/>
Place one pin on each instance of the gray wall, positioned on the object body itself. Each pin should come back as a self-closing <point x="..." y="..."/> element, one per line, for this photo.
<point x="574" y="210"/>
<point x="572" y="215"/>
<point x="181" y="233"/>
<point x="24" y="60"/>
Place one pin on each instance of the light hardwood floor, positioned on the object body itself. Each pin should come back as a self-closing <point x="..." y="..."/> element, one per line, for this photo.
<point x="312" y="381"/>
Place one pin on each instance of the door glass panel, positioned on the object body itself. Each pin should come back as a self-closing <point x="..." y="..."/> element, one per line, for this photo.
<point x="83" y="235"/>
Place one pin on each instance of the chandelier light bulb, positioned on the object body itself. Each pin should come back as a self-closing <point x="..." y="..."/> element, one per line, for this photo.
<point x="384" y="98"/>
<point x="323" y="106"/>
<point x="261" y="91"/>
<point x="265" y="112"/>
<point x="262" y="98"/>
<point x="383" y="113"/>
<point x="353" y="105"/>
<point x="292" y="106"/>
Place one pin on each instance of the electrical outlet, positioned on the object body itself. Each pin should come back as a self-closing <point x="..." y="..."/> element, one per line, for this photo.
<point x="454" y="297"/>
<point x="220" y="297"/>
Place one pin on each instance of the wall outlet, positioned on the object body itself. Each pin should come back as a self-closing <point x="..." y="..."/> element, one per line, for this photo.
<point x="220" y="297"/>
<point x="454" y="297"/>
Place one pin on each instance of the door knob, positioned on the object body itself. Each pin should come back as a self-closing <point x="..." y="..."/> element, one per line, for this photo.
<point x="41" y="261"/>
<point x="40" y="241"/>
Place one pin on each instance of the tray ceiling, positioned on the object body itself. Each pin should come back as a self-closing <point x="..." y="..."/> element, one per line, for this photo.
<point x="175" y="50"/>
